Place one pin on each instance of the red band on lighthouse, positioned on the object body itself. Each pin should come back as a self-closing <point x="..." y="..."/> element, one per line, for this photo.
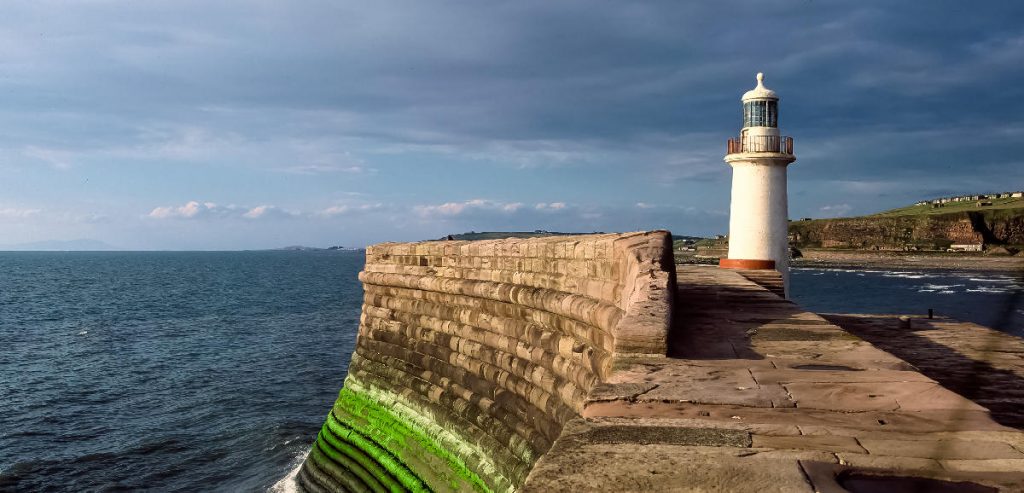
<point x="738" y="263"/>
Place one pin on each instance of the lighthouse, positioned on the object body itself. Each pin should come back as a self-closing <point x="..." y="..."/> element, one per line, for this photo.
<point x="758" y="212"/>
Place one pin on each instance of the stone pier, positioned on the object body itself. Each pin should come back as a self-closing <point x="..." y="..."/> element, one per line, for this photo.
<point x="472" y="356"/>
<point x="761" y="395"/>
<point x="587" y="363"/>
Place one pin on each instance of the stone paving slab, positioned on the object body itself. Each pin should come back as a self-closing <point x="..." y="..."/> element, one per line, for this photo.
<point x="877" y="396"/>
<point x="770" y="376"/>
<point x="814" y="400"/>
<point x="985" y="365"/>
<point x="828" y="443"/>
<point x="806" y="420"/>
<point x="941" y="449"/>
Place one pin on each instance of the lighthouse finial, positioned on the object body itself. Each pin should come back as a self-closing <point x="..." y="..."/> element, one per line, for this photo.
<point x="760" y="92"/>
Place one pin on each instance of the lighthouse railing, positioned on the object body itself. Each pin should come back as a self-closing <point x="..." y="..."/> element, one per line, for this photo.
<point x="761" y="143"/>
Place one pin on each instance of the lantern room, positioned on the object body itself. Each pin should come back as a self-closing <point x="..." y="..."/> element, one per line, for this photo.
<point x="760" y="106"/>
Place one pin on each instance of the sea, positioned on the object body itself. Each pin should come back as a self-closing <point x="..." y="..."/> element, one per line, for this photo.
<point x="992" y="299"/>
<point x="167" y="371"/>
<point x="213" y="371"/>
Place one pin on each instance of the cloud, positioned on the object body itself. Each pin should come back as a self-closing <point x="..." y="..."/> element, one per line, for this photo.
<point x="340" y="210"/>
<point x="496" y="215"/>
<point x="314" y="169"/>
<point x="18" y="213"/>
<point x="57" y="158"/>
<point x="428" y="105"/>
<point x="474" y="206"/>
<point x="321" y="157"/>
<point x="268" y="211"/>
<point x="189" y="210"/>
<point x="837" y="210"/>
<point x="199" y="210"/>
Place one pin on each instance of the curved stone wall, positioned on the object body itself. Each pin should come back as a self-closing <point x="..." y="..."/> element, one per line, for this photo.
<point x="471" y="356"/>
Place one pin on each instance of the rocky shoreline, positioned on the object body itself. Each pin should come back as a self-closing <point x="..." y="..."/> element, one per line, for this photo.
<point x="814" y="258"/>
<point x="860" y="259"/>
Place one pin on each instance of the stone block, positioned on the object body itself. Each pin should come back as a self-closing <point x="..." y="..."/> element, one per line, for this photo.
<point x="829" y="443"/>
<point x="941" y="449"/>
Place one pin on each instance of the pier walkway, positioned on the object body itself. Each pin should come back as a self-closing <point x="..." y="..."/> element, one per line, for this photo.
<point x="982" y="364"/>
<point x="760" y="395"/>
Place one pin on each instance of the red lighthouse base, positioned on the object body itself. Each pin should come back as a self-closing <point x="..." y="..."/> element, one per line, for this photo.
<point x="736" y="263"/>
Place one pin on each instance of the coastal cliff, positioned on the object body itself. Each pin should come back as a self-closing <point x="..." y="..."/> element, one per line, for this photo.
<point x="472" y="356"/>
<point x="922" y="231"/>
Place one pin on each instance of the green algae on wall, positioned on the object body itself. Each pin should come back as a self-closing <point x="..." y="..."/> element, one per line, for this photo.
<point x="372" y="441"/>
<point x="472" y="356"/>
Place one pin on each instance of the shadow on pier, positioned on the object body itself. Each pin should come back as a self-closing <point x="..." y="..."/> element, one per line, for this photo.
<point x="981" y="364"/>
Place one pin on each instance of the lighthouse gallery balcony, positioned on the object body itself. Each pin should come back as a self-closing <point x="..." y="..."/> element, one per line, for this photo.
<point x="761" y="143"/>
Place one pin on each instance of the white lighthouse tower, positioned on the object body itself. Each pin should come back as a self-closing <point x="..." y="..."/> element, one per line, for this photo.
<point x="758" y="214"/>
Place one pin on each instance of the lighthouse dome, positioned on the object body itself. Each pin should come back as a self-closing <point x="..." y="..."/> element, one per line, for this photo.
<point x="760" y="92"/>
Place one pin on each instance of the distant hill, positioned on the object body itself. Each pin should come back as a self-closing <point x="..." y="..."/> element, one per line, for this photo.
<point x="297" y="248"/>
<point x="960" y="206"/>
<point x="497" y="235"/>
<point x="302" y="248"/>
<point x="922" y="226"/>
<point x="86" y="245"/>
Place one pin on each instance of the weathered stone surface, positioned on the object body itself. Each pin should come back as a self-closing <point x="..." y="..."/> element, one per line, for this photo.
<point x="814" y="399"/>
<point x="867" y="461"/>
<point x="555" y="364"/>
<point x="659" y="467"/>
<point x="829" y="443"/>
<point x="666" y="435"/>
<point x="941" y="449"/>
<point x="471" y="356"/>
<point x="877" y="396"/>
<point x="979" y="363"/>
<point x="986" y="465"/>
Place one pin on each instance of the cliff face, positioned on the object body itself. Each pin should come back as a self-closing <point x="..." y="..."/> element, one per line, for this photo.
<point x="926" y="231"/>
<point x="472" y="356"/>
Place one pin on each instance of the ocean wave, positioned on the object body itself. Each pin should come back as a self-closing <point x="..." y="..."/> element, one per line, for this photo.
<point x="288" y="484"/>
<point x="992" y="279"/>
<point x="940" y="287"/>
<point x="947" y="292"/>
<point x="907" y="275"/>
<point x="987" y="289"/>
<point x="837" y="269"/>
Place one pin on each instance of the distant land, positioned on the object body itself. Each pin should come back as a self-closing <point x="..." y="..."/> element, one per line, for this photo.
<point x="302" y="248"/>
<point x="976" y="232"/>
<point x="498" y="235"/>
<point x="987" y="223"/>
<point x="86" y="245"/>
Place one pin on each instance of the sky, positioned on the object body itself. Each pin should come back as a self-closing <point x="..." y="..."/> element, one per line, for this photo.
<point x="204" y="125"/>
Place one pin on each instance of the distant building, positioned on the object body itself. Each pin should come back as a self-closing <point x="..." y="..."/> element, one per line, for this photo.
<point x="969" y="247"/>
